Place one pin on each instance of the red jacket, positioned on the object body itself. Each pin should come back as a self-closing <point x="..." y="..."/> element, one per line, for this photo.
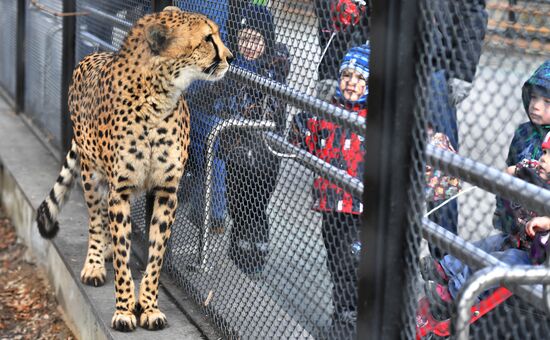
<point x="339" y="147"/>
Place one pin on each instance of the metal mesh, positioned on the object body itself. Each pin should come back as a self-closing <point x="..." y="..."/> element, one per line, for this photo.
<point x="44" y="36"/>
<point x="254" y="240"/>
<point x="106" y="24"/>
<point x="266" y="233"/>
<point x="467" y="112"/>
<point x="8" y="19"/>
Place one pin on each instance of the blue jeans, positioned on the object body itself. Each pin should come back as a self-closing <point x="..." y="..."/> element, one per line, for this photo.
<point x="458" y="272"/>
<point x="441" y="111"/>
<point x="441" y="114"/>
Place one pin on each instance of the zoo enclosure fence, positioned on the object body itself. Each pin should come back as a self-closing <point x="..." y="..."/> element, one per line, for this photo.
<point x="292" y="298"/>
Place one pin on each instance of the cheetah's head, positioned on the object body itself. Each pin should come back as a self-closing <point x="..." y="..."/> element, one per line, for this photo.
<point x="184" y="46"/>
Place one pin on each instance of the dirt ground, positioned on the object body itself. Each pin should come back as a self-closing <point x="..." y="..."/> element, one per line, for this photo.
<point x="28" y="309"/>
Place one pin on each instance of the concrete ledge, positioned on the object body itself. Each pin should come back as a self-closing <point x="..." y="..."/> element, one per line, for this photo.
<point x="27" y="172"/>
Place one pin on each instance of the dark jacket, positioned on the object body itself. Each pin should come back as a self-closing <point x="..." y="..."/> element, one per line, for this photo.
<point x="233" y="99"/>
<point x="456" y="30"/>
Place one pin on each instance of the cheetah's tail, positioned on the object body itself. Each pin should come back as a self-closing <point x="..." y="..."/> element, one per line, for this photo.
<point x="49" y="209"/>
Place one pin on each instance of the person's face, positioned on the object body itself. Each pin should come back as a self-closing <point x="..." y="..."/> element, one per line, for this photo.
<point x="251" y="44"/>
<point x="544" y="165"/>
<point x="352" y="84"/>
<point x="539" y="109"/>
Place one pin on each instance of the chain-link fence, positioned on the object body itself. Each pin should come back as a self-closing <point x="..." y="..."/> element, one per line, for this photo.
<point x="43" y="36"/>
<point x="8" y="17"/>
<point x="267" y="237"/>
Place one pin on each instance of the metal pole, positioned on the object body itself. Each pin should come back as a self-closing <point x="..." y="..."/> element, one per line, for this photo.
<point x="386" y="224"/>
<point x="158" y="5"/>
<point x="308" y="103"/>
<point x="210" y="143"/>
<point x="20" y="58"/>
<point x="487" y="278"/>
<point x="475" y="258"/>
<point x="490" y="179"/>
<point x="67" y="66"/>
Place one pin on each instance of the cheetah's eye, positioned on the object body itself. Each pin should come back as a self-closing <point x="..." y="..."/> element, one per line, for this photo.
<point x="209" y="38"/>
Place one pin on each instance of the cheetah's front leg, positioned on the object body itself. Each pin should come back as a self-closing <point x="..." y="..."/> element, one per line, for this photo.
<point x="120" y="226"/>
<point x="159" y="232"/>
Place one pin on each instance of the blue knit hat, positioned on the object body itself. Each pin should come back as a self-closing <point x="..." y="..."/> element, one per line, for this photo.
<point x="357" y="59"/>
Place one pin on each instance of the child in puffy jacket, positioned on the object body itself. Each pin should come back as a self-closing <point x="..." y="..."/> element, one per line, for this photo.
<point x="340" y="210"/>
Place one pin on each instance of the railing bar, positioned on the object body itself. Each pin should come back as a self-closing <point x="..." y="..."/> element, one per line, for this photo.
<point x="317" y="165"/>
<point x="108" y="16"/>
<point x="301" y="100"/>
<point x="95" y="40"/>
<point x="476" y="258"/>
<point x="490" y="179"/>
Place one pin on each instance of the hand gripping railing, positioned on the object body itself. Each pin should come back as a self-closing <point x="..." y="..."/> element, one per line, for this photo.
<point x="490" y="277"/>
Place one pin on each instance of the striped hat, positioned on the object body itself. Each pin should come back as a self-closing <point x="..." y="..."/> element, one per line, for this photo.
<point x="357" y="59"/>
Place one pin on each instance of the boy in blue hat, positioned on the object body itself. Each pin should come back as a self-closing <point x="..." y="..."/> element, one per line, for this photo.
<point x="340" y="210"/>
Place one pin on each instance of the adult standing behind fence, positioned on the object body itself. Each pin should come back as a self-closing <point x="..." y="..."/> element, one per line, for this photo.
<point x="341" y="211"/>
<point x="341" y="24"/>
<point x="252" y="169"/>
<point x="453" y="34"/>
<point x="203" y="119"/>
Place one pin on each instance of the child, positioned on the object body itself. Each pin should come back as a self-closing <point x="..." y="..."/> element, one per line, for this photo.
<point x="341" y="210"/>
<point x="526" y="143"/>
<point x="251" y="169"/>
<point x="446" y="277"/>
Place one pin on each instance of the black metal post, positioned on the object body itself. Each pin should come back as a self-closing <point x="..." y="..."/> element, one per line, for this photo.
<point x="20" y="58"/>
<point x="382" y="277"/>
<point x="511" y="14"/>
<point x="158" y="5"/>
<point x="68" y="64"/>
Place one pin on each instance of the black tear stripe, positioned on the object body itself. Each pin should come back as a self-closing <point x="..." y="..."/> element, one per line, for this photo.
<point x="217" y="59"/>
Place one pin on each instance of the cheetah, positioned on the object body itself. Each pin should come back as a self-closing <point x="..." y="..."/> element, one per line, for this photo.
<point x="131" y="135"/>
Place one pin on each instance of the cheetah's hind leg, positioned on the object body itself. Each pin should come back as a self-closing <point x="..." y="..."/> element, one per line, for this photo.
<point x="99" y="242"/>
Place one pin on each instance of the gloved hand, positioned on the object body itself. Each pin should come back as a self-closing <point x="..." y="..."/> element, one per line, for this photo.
<point x="347" y="12"/>
<point x="460" y="89"/>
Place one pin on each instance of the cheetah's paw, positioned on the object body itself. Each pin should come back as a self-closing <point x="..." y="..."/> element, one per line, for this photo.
<point x="123" y="321"/>
<point x="152" y="319"/>
<point x="93" y="275"/>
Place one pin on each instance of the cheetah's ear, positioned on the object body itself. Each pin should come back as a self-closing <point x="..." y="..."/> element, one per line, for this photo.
<point x="157" y="37"/>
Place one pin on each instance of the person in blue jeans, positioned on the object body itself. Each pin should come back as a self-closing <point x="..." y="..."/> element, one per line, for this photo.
<point x="456" y="30"/>
<point x="529" y="144"/>
<point x="203" y="120"/>
<point x="251" y="167"/>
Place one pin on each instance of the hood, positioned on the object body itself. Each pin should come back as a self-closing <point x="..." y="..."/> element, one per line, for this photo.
<point x="540" y="82"/>
<point x="260" y="19"/>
